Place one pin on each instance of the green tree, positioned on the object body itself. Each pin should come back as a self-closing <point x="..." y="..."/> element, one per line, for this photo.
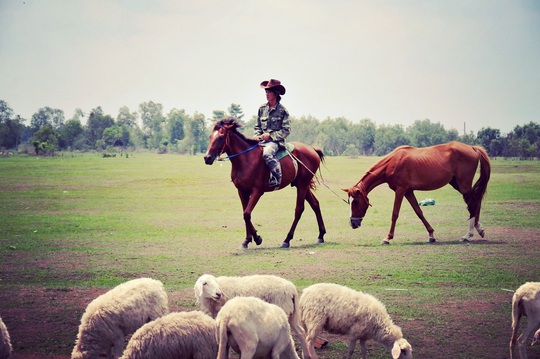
<point x="126" y="118"/>
<point x="153" y="123"/>
<point x="363" y="136"/>
<point x="6" y="112"/>
<point x="218" y="115"/>
<point x="486" y="136"/>
<point x="71" y="132"/>
<point x="303" y="129"/>
<point x="175" y="125"/>
<point x="453" y="135"/>
<point x="45" y="140"/>
<point x="46" y="116"/>
<point x="116" y="136"/>
<point x="235" y="111"/>
<point x="196" y="139"/>
<point x="97" y="123"/>
<point x="424" y="133"/>
<point x="11" y="128"/>
<point x="388" y="138"/>
<point x="337" y="137"/>
<point x="469" y="139"/>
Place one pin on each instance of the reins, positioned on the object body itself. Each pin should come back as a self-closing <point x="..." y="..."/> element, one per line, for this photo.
<point x="237" y="154"/>
<point x="228" y="158"/>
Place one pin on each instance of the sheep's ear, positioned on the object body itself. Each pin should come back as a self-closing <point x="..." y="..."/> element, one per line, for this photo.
<point x="198" y="288"/>
<point x="396" y="350"/>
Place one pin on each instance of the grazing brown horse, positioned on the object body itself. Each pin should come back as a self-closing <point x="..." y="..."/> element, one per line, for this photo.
<point x="250" y="174"/>
<point x="407" y="169"/>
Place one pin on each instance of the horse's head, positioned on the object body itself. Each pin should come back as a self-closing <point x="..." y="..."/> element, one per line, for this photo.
<point x="218" y="139"/>
<point x="359" y="203"/>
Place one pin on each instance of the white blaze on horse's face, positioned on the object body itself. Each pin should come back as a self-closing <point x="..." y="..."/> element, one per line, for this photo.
<point x="358" y="207"/>
<point x="213" y="136"/>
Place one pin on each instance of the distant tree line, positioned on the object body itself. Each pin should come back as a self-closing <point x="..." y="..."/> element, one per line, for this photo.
<point x="149" y="128"/>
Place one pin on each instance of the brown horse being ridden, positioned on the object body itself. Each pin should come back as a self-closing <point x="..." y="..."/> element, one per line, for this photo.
<point x="407" y="169"/>
<point x="250" y="175"/>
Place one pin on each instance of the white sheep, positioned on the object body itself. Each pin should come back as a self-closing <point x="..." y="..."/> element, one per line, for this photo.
<point x="176" y="335"/>
<point x="360" y="316"/>
<point x="254" y="329"/>
<point x="117" y="313"/>
<point x="5" y="342"/>
<point x="212" y="293"/>
<point x="526" y="301"/>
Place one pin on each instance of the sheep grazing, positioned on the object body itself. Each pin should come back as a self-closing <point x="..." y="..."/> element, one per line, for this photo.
<point x="5" y="342"/>
<point x="212" y="293"/>
<point x="176" y="335"/>
<point x="360" y="316"/>
<point x="255" y="329"/>
<point x="116" y="314"/>
<point x="526" y="301"/>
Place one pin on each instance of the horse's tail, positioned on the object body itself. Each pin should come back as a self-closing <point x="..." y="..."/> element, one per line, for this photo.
<point x="322" y="157"/>
<point x="479" y="188"/>
<point x="320" y="153"/>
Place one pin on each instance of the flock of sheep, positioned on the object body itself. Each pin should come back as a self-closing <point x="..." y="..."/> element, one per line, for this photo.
<point x="253" y="315"/>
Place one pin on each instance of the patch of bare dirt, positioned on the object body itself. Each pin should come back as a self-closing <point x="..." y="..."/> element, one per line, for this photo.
<point x="43" y="322"/>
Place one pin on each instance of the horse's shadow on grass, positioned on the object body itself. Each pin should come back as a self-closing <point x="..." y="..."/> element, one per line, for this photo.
<point x="268" y="248"/>
<point x="334" y="244"/>
<point x="456" y="242"/>
<point x="439" y="243"/>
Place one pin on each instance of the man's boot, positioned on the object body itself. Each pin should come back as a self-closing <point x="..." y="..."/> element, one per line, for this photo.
<point x="275" y="176"/>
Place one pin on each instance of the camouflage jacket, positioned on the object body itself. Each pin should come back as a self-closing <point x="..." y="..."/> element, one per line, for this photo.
<point x="274" y="121"/>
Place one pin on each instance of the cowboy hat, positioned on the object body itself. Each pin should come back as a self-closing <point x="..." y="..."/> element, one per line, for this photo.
<point x="274" y="84"/>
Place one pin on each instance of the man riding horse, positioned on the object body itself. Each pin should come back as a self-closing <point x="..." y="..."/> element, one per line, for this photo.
<point x="273" y="126"/>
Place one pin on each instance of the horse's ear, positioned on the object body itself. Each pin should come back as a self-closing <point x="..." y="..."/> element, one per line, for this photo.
<point x="345" y="190"/>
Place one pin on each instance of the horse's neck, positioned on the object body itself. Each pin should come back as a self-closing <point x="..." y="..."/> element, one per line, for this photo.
<point x="374" y="177"/>
<point x="237" y="145"/>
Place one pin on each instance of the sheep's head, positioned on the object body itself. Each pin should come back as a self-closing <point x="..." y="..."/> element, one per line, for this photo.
<point x="401" y="349"/>
<point x="207" y="287"/>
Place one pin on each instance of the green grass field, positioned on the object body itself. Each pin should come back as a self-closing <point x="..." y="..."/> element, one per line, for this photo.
<point x="80" y="221"/>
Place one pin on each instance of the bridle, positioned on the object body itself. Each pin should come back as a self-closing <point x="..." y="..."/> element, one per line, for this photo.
<point x="226" y="144"/>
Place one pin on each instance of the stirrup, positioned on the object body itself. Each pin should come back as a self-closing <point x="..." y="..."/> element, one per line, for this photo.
<point x="274" y="182"/>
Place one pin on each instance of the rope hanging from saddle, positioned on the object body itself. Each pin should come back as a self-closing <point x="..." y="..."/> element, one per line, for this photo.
<point x="315" y="175"/>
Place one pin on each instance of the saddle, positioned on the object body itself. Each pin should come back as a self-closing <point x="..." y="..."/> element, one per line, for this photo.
<point x="283" y="151"/>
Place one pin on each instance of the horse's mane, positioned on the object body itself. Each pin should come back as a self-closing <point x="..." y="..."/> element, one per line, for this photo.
<point x="233" y="125"/>
<point x="380" y="163"/>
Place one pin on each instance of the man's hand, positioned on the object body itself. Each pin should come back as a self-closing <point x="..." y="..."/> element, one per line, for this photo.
<point x="263" y="137"/>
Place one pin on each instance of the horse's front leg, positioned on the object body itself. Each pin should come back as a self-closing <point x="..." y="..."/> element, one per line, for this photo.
<point x="249" y="201"/>
<point x="416" y="207"/>
<point x="398" y="199"/>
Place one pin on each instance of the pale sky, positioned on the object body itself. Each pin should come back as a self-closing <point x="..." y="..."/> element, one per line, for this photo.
<point x="450" y="61"/>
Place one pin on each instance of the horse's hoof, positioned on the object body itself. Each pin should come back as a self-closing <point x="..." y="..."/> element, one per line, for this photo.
<point x="481" y="233"/>
<point x="245" y="245"/>
<point x="432" y="240"/>
<point x="258" y="240"/>
<point x="385" y="242"/>
<point x="464" y="239"/>
<point x="320" y="240"/>
<point x="285" y="245"/>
